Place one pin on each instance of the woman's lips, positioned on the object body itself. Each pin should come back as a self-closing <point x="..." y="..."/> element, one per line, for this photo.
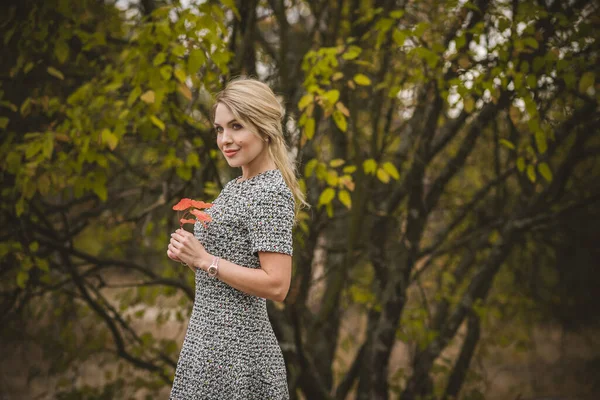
<point x="230" y="153"/>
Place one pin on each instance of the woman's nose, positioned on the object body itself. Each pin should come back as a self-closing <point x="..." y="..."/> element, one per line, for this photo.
<point x="226" y="136"/>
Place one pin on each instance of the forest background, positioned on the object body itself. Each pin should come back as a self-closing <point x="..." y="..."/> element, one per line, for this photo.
<point x="449" y="150"/>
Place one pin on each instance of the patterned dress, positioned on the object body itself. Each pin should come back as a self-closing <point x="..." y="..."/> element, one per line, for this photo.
<point x="230" y="350"/>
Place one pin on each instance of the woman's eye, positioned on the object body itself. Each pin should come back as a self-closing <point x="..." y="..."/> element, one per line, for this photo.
<point x="236" y="126"/>
<point x="218" y="129"/>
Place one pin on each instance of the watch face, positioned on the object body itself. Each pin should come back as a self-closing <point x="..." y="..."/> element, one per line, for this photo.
<point x="212" y="270"/>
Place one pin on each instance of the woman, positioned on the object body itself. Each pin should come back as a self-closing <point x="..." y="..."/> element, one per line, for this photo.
<point x="242" y="257"/>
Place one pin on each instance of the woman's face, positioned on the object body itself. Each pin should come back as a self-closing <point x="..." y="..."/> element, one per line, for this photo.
<point x="239" y="145"/>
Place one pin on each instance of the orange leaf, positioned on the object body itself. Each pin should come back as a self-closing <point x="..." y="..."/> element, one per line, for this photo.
<point x="183" y="204"/>
<point x="200" y="204"/>
<point x="187" y="221"/>
<point x="202" y="216"/>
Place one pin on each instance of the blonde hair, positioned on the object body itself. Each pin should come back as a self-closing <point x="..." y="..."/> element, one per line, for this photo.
<point x="253" y="103"/>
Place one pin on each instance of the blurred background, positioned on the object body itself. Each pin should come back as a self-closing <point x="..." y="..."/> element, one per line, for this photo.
<point x="449" y="149"/>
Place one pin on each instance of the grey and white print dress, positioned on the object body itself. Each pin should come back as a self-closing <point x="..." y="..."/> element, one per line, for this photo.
<point x="230" y="350"/>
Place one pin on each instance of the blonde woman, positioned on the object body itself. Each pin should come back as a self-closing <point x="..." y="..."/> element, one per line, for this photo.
<point x="242" y="257"/>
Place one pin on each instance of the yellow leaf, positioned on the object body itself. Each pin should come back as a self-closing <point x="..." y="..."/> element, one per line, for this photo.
<point x="340" y="120"/>
<point x="391" y="170"/>
<point x="185" y="91"/>
<point x="337" y="76"/>
<point x="336" y="162"/>
<point x="382" y="175"/>
<point x="369" y="166"/>
<point x="332" y="178"/>
<point x="331" y="96"/>
<point x="545" y="171"/>
<point x="345" y="198"/>
<point x="305" y="101"/>
<point x="148" y="97"/>
<point x="326" y="196"/>
<point x="157" y="122"/>
<point x="55" y="73"/>
<point x="531" y="173"/>
<point x="180" y="75"/>
<point x="340" y="106"/>
<point x="362" y="79"/>
<point x="346" y="180"/>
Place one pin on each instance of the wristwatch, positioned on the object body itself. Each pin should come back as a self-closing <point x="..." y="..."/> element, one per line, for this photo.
<point x="213" y="269"/>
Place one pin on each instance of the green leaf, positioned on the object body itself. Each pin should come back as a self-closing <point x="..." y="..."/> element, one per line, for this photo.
<point x="545" y="171"/>
<point x="55" y="73"/>
<point x="531" y="42"/>
<point x="135" y="93"/>
<point x="166" y="71"/>
<point x="531" y="173"/>
<point x="110" y="139"/>
<point x="521" y="164"/>
<point x="157" y="122"/>
<point x="159" y="59"/>
<point x="397" y="14"/>
<point x="22" y="278"/>
<point x="586" y="81"/>
<point x="399" y="37"/>
<point x="540" y="140"/>
<point x="351" y="53"/>
<point x="195" y="61"/>
<point x="309" y="128"/>
<point x="391" y="170"/>
<point x="326" y="196"/>
<point x="310" y="167"/>
<point x="4" y="122"/>
<point x="349" y="169"/>
<point x="469" y="104"/>
<point x="507" y="144"/>
<point x="340" y="120"/>
<point x="48" y="146"/>
<point x="362" y="79"/>
<point x="345" y="198"/>
<point x="61" y="51"/>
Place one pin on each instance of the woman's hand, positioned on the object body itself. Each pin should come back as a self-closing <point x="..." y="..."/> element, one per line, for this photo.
<point x="184" y="247"/>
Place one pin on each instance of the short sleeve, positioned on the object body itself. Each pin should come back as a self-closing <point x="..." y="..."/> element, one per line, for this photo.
<point x="270" y="222"/>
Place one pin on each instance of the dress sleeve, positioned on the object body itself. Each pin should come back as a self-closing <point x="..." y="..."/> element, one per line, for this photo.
<point x="270" y="222"/>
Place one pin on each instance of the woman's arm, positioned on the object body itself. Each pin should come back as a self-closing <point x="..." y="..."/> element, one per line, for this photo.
<point x="270" y="281"/>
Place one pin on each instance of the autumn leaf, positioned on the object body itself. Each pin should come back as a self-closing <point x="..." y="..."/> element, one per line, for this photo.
<point x="183" y="204"/>
<point x="187" y="221"/>
<point x="200" y="204"/>
<point x="201" y="216"/>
